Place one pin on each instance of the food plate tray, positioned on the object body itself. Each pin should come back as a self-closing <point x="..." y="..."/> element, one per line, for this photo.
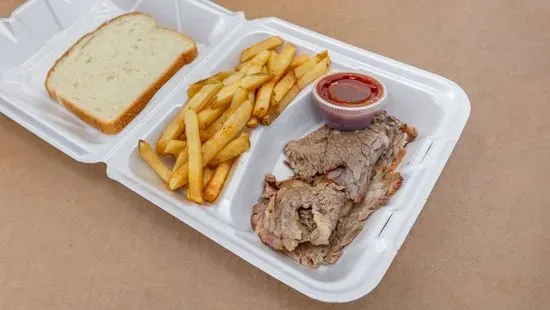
<point x="38" y="32"/>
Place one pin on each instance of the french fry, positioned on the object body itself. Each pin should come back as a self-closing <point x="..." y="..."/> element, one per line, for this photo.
<point x="283" y="86"/>
<point x="264" y="70"/>
<point x="203" y="97"/>
<point x="196" y="87"/>
<point x="209" y="116"/>
<point x="297" y="61"/>
<point x="232" y="150"/>
<point x="174" y="147"/>
<point x="251" y="82"/>
<point x="321" y="68"/>
<point x="218" y="77"/>
<point x="241" y="95"/>
<point x="252" y="122"/>
<point x="283" y="61"/>
<point x="254" y="69"/>
<point x="266" y="44"/>
<point x="243" y="66"/>
<point x="177" y="126"/>
<point x="207" y="174"/>
<point x="252" y="96"/>
<point x="193" y="89"/>
<point x="260" y="60"/>
<point x="226" y="94"/>
<point x="151" y="158"/>
<point x="308" y="65"/>
<point x="214" y="187"/>
<point x="276" y="110"/>
<point x="231" y="128"/>
<point x="195" y="160"/>
<point x="238" y="99"/>
<point x="263" y="99"/>
<point x="233" y="78"/>
<point x="181" y="160"/>
<point x="273" y="55"/>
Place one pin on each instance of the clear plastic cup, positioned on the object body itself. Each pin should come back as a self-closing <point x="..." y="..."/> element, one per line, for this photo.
<point x="346" y="117"/>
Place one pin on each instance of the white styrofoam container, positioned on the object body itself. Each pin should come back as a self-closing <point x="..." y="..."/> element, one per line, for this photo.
<point x="41" y="30"/>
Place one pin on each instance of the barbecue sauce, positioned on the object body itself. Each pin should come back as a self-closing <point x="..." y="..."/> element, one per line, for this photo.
<point x="348" y="89"/>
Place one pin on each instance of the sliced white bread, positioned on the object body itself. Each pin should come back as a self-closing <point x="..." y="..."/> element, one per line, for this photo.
<point x="109" y="75"/>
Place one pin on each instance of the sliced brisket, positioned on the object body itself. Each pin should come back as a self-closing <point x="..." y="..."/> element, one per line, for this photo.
<point x="298" y="210"/>
<point x="347" y="158"/>
<point x="342" y="177"/>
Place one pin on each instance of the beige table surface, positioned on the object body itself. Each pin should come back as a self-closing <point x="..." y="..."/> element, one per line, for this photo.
<point x="70" y="238"/>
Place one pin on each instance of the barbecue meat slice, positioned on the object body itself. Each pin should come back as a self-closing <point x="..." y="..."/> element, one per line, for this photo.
<point x="348" y="158"/>
<point x="384" y="184"/>
<point x="298" y="210"/>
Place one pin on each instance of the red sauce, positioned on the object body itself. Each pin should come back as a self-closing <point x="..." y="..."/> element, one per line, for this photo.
<point x="350" y="89"/>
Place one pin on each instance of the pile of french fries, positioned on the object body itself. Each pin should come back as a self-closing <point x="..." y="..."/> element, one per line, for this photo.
<point x="213" y="128"/>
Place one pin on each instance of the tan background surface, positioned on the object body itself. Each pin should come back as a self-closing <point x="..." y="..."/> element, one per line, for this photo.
<point x="72" y="238"/>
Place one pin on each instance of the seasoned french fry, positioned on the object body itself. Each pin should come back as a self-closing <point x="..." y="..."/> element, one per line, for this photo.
<point x="174" y="147"/>
<point x="203" y="97"/>
<point x="151" y="158"/>
<point x="276" y="110"/>
<point x="195" y="160"/>
<point x="238" y="99"/>
<point x="252" y="122"/>
<point x="181" y="160"/>
<point x="214" y="187"/>
<point x="297" y="61"/>
<point x="177" y="126"/>
<point x="207" y="174"/>
<point x="321" y="68"/>
<point x="231" y="128"/>
<point x="233" y="78"/>
<point x="283" y="86"/>
<point x="209" y="115"/>
<point x="283" y="61"/>
<point x="266" y="44"/>
<point x="241" y="95"/>
<point x="308" y="65"/>
<point x="254" y="81"/>
<point x="226" y="94"/>
<point x="263" y="99"/>
<point x="196" y="87"/>
<point x="232" y="150"/>
<point x="193" y="89"/>
<point x="273" y="55"/>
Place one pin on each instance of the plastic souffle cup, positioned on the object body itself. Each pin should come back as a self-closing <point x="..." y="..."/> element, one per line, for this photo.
<point x="354" y="116"/>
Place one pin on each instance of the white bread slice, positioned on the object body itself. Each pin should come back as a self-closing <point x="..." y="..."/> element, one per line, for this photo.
<point x="108" y="76"/>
